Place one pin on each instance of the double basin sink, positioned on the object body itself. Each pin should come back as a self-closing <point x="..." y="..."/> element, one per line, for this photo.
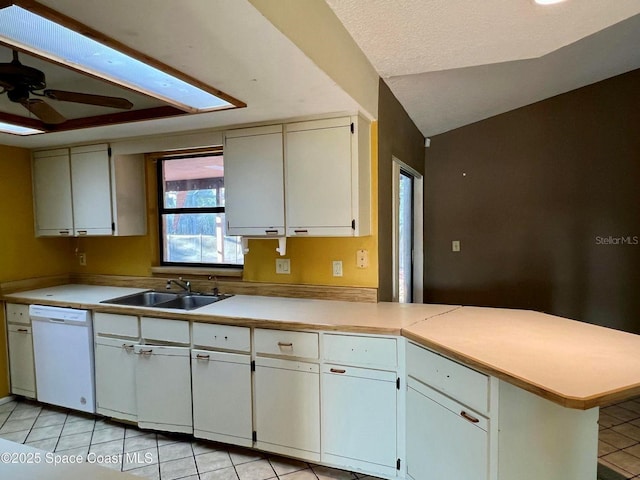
<point x="181" y="301"/>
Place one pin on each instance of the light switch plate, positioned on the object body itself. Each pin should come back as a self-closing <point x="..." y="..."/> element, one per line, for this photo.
<point x="455" y="246"/>
<point x="283" y="266"/>
<point x="337" y="268"/>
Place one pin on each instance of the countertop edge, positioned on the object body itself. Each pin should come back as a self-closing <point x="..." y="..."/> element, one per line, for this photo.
<point x="578" y="403"/>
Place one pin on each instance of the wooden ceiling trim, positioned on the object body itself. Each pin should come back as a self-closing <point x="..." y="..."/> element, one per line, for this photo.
<point x="116" y="118"/>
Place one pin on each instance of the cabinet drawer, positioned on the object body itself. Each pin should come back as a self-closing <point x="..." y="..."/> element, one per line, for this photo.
<point x="163" y="330"/>
<point x="286" y="343"/>
<point x="466" y="385"/>
<point x="113" y="324"/>
<point x="18" y="313"/>
<point x="19" y="329"/>
<point x="225" y="337"/>
<point x="360" y="350"/>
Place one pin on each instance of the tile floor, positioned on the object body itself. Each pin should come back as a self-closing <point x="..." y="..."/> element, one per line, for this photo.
<point x="172" y="457"/>
<point x="619" y="439"/>
<point x="147" y="454"/>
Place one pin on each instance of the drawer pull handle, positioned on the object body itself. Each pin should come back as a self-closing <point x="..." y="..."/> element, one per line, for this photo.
<point x="82" y="232"/>
<point x="285" y="344"/>
<point x="471" y="418"/>
<point x="298" y="232"/>
<point x="126" y="347"/>
<point x="64" y="232"/>
<point x="337" y="370"/>
<point x="146" y="353"/>
<point x="200" y="356"/>
<point x="23" y="330"/>
<point x="271" y="232"/>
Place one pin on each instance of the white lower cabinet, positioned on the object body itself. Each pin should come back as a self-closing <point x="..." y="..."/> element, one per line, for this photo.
<point x="163" y="388"/>
<point x="115" y="364"/>
<point x="21" y="364"/>
<point x="222" y="396"/>
<point x="445" y="440"/>
<point x="287" y="407"/>
<point x="359" y="410"/>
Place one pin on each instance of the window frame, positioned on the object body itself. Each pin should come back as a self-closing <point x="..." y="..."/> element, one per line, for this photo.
<point x="162" y="210"/>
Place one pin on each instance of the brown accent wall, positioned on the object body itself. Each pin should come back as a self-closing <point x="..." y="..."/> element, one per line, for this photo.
<point x="397" y="136"/>
<point x="534" y="195"/>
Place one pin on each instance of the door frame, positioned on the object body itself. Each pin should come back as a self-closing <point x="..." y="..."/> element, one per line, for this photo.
<point x="418" y="237"/>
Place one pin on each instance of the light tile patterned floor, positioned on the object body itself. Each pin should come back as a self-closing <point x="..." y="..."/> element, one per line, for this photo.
<point x="619" y="438"/>
<point x="148" y="454"/>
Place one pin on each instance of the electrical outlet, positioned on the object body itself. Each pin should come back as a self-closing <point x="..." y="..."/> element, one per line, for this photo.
<point x="455" y="246"/>
<point x="283" y="266"/>
<point x="337" y="268"/>
<point x="362" y="258"/>
<point x="82" y="259"/>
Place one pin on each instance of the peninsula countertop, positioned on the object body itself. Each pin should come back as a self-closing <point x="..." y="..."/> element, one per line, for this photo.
<point x="574" y="364"/>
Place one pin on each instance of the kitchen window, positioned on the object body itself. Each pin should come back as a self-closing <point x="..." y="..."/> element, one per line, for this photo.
<point x="192" y="225"/>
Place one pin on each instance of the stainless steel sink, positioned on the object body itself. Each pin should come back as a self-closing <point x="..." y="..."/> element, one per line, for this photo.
<point x="180" y="301"/>
<point x="190" y="302"/>
<point x="143" y="299"/>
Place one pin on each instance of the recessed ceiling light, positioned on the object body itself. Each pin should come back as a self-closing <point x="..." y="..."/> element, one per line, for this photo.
<point x="17" y="129"/>
<point x="548" y="2"/>
<point x="27" y="31"/>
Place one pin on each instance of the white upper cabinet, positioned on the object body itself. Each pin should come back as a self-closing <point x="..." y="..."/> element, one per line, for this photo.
<point x="309" y="178"/>
<point x="52" y="193"/>
<point x="85" y="191"/>
<point x="254" y="181"/>
<point x="328" y="177"/>
<point x="91" y="190"/>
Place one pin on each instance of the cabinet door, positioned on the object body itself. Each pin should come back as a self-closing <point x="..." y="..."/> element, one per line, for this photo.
<point x="441" y="442"/>
<point x="163" y="388"/>
<point x="254" y="181"/>
<point x="319" y="178"/>
<point x="287" y="407"/>
<point x="21" y="365"/>
<point x="359" y="408"/>
<point x="115" y="364"/>
<point x="90" y="177"/>
<point x="222" y="396"/>
<point x="52" y="193"/>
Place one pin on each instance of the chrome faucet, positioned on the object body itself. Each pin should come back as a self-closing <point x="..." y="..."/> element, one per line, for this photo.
<point x="184" y="284"/>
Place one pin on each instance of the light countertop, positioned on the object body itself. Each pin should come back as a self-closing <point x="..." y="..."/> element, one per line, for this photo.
<point x="275" y="312"/>
<point x="575" y="364"/>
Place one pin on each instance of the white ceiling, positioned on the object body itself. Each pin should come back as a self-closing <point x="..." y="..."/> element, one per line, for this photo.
<point x="454" y="62"/>
<point x="225" y="43"/>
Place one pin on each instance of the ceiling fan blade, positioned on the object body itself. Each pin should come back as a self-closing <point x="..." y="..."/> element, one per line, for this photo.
<point x="43" y="111"/>
<point x="100" y="100"/>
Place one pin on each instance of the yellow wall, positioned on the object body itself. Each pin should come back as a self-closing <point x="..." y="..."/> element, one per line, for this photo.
<point x="311" y="258"/>
<point x="21" y="254"/>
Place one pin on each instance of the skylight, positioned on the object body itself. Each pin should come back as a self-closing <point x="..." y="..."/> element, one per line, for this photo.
<point x="32" y="33"/>
<point x="17" y="129"/>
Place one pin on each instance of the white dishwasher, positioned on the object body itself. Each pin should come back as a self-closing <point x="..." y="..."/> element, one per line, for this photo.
<point x="63" y="354"/>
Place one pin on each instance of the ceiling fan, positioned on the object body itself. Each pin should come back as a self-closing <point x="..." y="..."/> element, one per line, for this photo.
<point x="19" y="81"/>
